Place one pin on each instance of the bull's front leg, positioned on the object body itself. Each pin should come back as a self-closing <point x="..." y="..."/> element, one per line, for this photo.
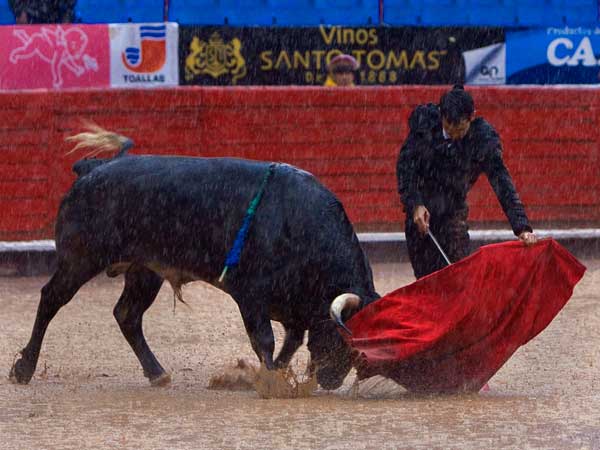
<point x="293" y="340"/>
<point x="260" y="332"/>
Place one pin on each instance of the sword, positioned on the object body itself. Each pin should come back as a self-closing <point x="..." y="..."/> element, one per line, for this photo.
<point x="439" y="247"/>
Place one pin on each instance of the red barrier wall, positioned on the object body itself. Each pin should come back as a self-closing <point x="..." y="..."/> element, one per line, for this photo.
<point x="349" y="138"/>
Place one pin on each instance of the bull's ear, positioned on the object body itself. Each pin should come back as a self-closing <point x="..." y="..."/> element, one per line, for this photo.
<point x="343" y="303"/>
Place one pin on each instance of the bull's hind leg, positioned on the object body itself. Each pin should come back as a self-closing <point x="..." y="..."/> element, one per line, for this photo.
<point x="61" y="288"/>
<point x="141" y="287"/>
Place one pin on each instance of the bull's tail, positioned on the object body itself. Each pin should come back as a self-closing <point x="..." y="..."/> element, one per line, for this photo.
<point x="100" y="140"/>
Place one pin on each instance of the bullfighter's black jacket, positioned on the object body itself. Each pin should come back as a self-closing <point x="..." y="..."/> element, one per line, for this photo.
<point x="438" y="173"/>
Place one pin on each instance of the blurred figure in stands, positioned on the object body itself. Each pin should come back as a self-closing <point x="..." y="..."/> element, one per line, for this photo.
<point x="341" y="70"/>
<point x="43" y="11"/>
<point x="452" y="70"/>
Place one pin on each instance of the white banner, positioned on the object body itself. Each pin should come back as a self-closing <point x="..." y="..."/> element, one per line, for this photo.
<point x="144" y="54"/>
<point x="486" y="65"/>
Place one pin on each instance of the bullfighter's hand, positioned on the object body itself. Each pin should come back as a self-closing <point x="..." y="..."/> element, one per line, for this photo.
<point x="421" y="218"/>
<point x="528" y="237"/>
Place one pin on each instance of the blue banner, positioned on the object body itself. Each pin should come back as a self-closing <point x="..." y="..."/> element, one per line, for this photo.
<point x="553" y="56"/>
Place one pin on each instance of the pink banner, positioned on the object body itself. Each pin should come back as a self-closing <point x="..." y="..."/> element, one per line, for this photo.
<point x="54" y="56"/>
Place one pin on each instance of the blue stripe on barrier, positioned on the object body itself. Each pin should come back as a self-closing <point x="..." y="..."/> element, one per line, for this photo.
<point x="153" y="35"/>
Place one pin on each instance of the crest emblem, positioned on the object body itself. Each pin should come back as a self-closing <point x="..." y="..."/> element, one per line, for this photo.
<point x="215" y="58"/>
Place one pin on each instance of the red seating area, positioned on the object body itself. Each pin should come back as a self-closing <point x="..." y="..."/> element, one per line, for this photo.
<point x="349" y="138"/>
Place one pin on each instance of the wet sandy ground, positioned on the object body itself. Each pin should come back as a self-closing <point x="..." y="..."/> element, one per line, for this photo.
<point x="89" y="391"/>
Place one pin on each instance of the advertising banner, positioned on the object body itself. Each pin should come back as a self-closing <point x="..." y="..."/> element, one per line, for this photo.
<point x="387" y="56"/>
<point x="54" y="56"/>
<point x="553" y="56"/>
<point x="144" y="55"/>
<point x="486" y="65"/>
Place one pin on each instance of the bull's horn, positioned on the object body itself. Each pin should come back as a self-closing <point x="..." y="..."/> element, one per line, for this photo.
<point x="338" y="306"/>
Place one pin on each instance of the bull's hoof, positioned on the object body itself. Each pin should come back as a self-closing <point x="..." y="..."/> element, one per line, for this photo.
<point x="20" y="372"/>
<point x="161" y="381"/>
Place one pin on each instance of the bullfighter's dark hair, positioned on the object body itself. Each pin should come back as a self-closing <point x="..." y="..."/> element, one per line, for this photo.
<point x="457" y="104"/>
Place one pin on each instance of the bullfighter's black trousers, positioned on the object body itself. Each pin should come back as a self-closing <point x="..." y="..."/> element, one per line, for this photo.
<point x="451" y="231"/>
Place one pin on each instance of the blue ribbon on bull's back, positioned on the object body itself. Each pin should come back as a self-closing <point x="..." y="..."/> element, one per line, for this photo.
<point x="233" y="257"/>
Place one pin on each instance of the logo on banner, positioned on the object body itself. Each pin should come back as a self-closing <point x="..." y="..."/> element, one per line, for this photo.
<point x="489" y="71"/>
<point x="486" y="65"/>
<point x="562" y="51"/>
<point x="215" y="58"/>
<point x="61" y="50"/>
<point x="152" y="53"/>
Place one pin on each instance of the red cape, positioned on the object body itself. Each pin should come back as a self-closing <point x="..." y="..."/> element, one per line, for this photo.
<point x="452" y="330"/>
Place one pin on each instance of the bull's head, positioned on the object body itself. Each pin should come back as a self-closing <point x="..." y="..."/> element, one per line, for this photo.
<point x="331" y="356"/>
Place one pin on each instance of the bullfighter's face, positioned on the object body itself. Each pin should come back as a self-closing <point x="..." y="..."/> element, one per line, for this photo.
<point x="457" y="130"/>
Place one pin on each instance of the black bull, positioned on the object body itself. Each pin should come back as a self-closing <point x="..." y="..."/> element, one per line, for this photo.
<point x="155" y="218"/>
